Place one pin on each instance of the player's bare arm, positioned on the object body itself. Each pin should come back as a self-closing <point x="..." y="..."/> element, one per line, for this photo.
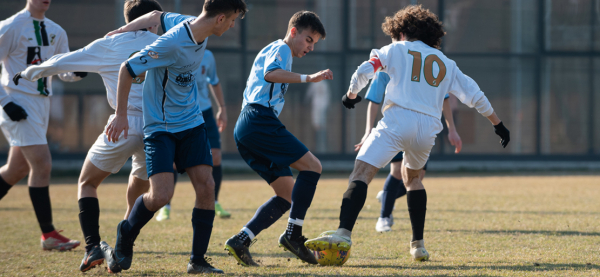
<point x="217" y="93"/>
<point x="285" y="77"/>
<point x="453" y="136"/>
<point x="146" y="21"/>
<point x="120" y="123"/>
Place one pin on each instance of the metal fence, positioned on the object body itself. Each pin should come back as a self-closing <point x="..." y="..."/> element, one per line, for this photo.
<point x="538" y="61"/>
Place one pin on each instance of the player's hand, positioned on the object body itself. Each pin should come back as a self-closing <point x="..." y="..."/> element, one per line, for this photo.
<point x="455" y="141"/>
<point x="117" y="31"/>
<point x="349" y="103"/>
<point x="222" y="119"/>
<point x="14" y="111"/>
<point x="503" y="133"/>
<point x="118" y="124"/>
<point x="362" y="141"/>
<point x="16" y="78"/>
<point x="320" y="76"/>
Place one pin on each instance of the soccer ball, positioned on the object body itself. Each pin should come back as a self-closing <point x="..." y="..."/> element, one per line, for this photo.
<point x="330" y="256"/>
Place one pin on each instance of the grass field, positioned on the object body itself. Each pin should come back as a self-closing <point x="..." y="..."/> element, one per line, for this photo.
<point x="476" y="226"/>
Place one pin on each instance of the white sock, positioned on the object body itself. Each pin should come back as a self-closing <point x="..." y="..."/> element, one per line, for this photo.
<point x="248" y="232"/>
<point x="296" y="221"/>
<point x="344" y="233"/>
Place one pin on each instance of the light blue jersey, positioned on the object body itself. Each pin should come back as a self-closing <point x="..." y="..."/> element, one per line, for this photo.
<point x="276" y="55"/>
<point x="170" y="20"/>
<point x="170" y="94"/>
<point x="376" y="91"/>
<point x="207" y="74"/>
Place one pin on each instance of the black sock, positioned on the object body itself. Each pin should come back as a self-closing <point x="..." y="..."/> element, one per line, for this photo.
<point x="402" y="189"/>
<point x="40" y="198"/>
<point x="353" y="202"/>
<point x="244" y="237"/>
<point x="202" y="221"/>
<point x="267" y="214"/>
<point x="218" y="176"/>
<point x="390" y="191"/>
<point x="417" y="206"/>
<point x="293" y="231"/>
<point x="89" y="217"/>
<point x="139" y="216"/>
<point x="4" y="187"/>
<point x="303" y="193"/>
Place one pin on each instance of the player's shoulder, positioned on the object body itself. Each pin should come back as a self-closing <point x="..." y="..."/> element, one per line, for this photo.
<point x="50" y="23"/>
<point x="208" y="54"/>
<point x="15" y="21"/>
<point x="279" y="46"/>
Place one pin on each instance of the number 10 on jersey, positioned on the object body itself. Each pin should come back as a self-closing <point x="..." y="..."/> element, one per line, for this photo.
<point x="428" y="70"/>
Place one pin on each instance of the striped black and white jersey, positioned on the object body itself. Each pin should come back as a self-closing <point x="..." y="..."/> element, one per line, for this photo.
<point x="26" y="41"/>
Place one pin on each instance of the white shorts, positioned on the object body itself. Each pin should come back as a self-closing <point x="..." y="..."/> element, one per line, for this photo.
<point x="401" y="130"/>
<point x="31" y="131"/>
<point x="111" y="156"/>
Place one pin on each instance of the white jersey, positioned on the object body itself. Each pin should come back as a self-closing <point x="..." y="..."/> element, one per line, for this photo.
<point x="103" y="56"/>
<point x="420" y="77"/>
<point x="26" y="41"/>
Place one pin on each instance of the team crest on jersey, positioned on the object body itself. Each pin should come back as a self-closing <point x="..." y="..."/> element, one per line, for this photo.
<point x="34" y="55"/>
<point x="203" y="69"/>
<point x="52" y="37"/>
<point x="279" y="57"/>
<point x="153" y="54"/>
<point x="186" y="79"/>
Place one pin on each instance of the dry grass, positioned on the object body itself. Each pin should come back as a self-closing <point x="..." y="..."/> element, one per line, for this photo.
<point x="476" y="226"/>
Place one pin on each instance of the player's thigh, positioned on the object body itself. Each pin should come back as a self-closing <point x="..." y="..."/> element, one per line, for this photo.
<point x="363" y="171"/>
<point x="308" y="162"/>
<point x="91" y="175"/>
<point x="16" y="166"/>
<point x="201" y="178"/>
<point x="160" y="148"/>
<point x="261" y="164"/>
<point x="38" y="157"/>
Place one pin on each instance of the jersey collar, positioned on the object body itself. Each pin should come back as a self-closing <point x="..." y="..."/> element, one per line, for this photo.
<point x="190" y="34"/>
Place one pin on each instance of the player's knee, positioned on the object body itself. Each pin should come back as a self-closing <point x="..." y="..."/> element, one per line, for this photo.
<point x="160" y="200"/>
<point x="316" y="166"/>
<point x="19" y="170"/>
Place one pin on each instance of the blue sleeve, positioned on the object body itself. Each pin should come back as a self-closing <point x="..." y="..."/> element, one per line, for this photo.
<point x="376" y="91"/>
<point x="277" y="58"/>
<point x="211" y="73"/>
<point x="169" y="20"/>
<point x="160" y="53"/>
<point x="446" y="96"/>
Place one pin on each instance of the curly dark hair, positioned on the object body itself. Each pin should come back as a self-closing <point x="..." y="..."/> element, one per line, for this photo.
<point x="415" y="22"/>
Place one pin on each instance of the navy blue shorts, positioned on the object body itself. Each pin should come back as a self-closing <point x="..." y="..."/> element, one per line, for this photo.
<point x="187" y="148"/>
<point x="265" y="144"/>
<point x="212" y="131"/>
<point x="400" y="157"/>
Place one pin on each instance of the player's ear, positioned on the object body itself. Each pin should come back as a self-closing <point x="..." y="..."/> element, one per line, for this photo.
<point x="293" y="32"/>
<point x="221" y="18"/>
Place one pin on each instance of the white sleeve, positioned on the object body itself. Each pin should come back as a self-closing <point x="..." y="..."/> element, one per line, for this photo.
<point x="63" y="47"/>
<point x="87" y="59"/>
<point x="6" y="47"/>
<point x="469" y="93"/>
<point x="361" y="77"/>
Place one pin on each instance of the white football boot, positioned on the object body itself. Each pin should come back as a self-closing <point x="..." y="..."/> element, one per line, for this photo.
<point x="384" y="224"/>
<point x="333" y="241"/>
<point x="417" y="250"/>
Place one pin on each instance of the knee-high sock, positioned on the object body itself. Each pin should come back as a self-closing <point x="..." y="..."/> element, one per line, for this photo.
<point x="353" y="202"/>
<point x="417" y="206"/>
<point x="218" y="177"/>
<point x="391" y="189"/>
<point x="89" y="217"/>
<point x="402" y="190"/>
<point x="202" y="221"/>
<point x="267" y="214"/>
<point x="4" y="187"/>
<point x="139" y="216"/>
<point x="40" y="198"/>
<point x="302" y="196"/>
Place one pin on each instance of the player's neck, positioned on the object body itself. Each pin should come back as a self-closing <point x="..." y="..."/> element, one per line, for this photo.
<point x="202" y="28"/>
<point x="288" y="41"/>
<point x="35" y="13"/>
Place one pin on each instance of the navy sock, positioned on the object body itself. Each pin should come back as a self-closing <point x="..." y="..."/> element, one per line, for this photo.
<point x="402" y="189"/>
<point x="391" y="189"/>
<point x="353" y="202"/>
<point x="202" y="221"/>
<point x="139" y="216"/>
<point x="303" y="193"/>
<point x="89" y="217"/>
<point x="417" y="207"/>
<point x="4" y="187"/>
<point x="267" y="214"/>
<point x="218" y="176"/>
<point x="40" y="198"/>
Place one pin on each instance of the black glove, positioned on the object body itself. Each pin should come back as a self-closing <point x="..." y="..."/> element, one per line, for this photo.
<point x="16" y="78"/>
<point x="349" y="103"/>
<point x="14" y="111"/>
<point x="80" y="74"/>
<point x="504" y="134"/>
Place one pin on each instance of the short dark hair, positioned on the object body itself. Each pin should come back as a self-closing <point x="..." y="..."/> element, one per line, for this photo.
<point x="136" y="8"/>
<point x="415" y="22"/>
<point x="216" y="7"/>
<point x="306" y="19"/>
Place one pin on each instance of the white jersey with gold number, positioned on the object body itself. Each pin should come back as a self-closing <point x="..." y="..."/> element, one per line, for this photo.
<point x="26" y="41"/>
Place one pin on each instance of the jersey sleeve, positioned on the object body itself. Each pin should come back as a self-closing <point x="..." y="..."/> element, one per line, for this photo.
<point x="277" y="58"/>
<point x="161" y="53"/>
<point x="88" y="59"/>
<point x="6" y="47"/>
<point x="382" y="55"/>
<point x="376" y="91"/>
<point x="211" y="74"/>
<point x="169" y="20"/>
<point x="469" y="93"/>
<point x="63" y="47"/>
